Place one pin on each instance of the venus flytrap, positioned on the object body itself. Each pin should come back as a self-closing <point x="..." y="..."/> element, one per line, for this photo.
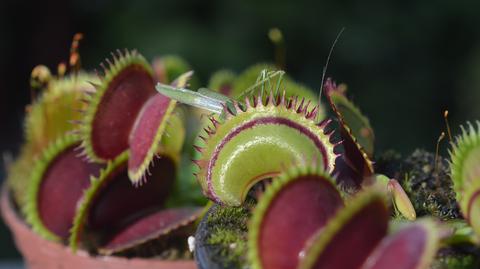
<point x="263" y="132"/>
<point x="129" y="134"/>
<point x="466" y="173"/>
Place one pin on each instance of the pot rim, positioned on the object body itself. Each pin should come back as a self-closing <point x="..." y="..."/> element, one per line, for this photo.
<point x="17" y="226"/>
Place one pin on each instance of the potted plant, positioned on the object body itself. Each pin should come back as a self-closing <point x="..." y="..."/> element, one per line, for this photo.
<point x="96" y="184"/>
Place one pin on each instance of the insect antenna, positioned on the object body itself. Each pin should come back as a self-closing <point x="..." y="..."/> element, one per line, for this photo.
<point x="324" y="71"/>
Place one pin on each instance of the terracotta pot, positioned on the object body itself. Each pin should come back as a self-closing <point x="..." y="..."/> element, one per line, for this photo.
<point x="41" y="254"/>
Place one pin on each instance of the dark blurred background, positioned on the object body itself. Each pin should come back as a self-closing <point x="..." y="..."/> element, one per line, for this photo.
<point x="404" y="62"/>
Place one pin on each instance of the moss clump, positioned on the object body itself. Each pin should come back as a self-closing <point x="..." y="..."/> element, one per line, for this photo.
<point x="229" y="234"/>
<point x="430" y="189"/>
<point x="462" y="258"/>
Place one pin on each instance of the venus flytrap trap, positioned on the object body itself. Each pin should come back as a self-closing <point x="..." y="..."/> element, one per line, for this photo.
<point x="263" y="133"/>
<point x="466" y="174"/>
<point x="103" y="211"/>
<point x="302" y="200"/>
<point x="48" y="188"/>
<point x="358" y="145"/>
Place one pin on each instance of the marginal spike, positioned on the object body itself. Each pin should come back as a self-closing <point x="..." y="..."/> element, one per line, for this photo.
<point x="207" y="131"/>
<point x="324" y="123"/>
<point x="300" y="106"/>
<point x="338" y="143"/>
<point x="75" y="122"/>
<point x="329" y="132"/>
<point x="80" y="154"/>
<point x="294" y="102"/>
<point x="79" y="147"/>
<point x="313" y="113"/>
<point x="114" y="57"/>
<point x="260" y="99"/>
<point x="73" y="132"/>
<point x="214" y="121"/>
<point x="283" y="97"/>
<point x="289" y="103"/>
<point x="89" y="93"/>
<point x="110" y="64"/>
<point x="119" y="53"/>
<point x="85" y="100"/>
<point x="305" y="110"/>
<point x="198" y="148"/>
<point x="270" y="99"/>
<point x="247" y="102"/>
<point x="197" y="162"/>
<point x="237" y="107"/>
<point x="255" y="101"/>
<point x="204" y="139"/>
<point x="105" y="69"/>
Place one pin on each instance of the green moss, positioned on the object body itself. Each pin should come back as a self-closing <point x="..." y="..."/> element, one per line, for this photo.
<point x="232" y="240"/>
<point x="229" y="234"/>
<point x="451" y="260"/>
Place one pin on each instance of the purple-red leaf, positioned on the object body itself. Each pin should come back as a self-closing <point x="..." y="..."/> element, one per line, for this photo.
<point x="146" y="134"/>
<point x="112" y="202"/>
<point x="119" y="201"/>
<point x="350" y="236"/>
<point x="113" y="108"/>
<point x="58" y="181"/>
<point x="290" y="212"/>
<point x="149" y="227"/>
<point x="357" y="126"/>
<point x="412" y="247"/>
